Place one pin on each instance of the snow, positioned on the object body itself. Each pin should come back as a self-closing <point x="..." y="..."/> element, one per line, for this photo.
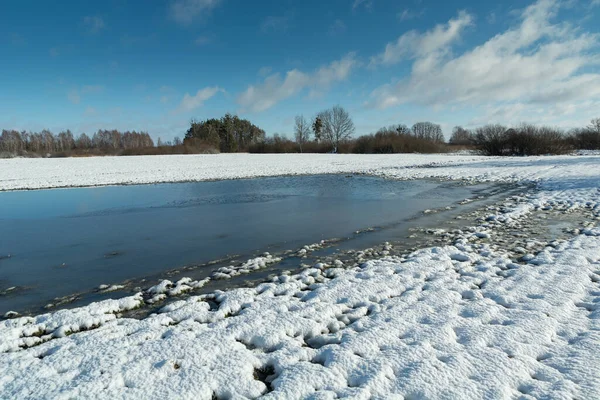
<point x="425" y="326"/>
<point x="110" y="288"/>
<point x="19" y="173"/>
<point x="458" y="321"/>
<point x="247" y="267"/>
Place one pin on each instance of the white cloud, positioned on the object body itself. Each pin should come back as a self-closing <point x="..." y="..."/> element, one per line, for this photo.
<point x="185" y="11"/>
<point x="424" y="46"/>
<point x="93" y="24"/>
<point x="275" y="89"/>
<point x="189" y="103"/>
<point x="535" y="64"/>
<point x="565" y="115"/>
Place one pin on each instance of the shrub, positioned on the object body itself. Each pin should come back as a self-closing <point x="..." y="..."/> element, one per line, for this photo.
<point x="585" y="139"/>
<point x="390" y="141"/>
<point x="461" y="137"/>
<point x="524" y="140"/>
<point x="491" y="140"/>
<point x="275" y="144"/>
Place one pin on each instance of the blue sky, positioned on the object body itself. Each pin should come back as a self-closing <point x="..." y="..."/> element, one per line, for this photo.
<point x="154" y="65"/>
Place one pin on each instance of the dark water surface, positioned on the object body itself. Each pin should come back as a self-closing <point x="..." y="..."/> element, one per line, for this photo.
<point x="62" y="241"/>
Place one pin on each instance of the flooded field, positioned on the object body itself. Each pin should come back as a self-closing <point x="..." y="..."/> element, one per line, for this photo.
<point x="55" y="243"/>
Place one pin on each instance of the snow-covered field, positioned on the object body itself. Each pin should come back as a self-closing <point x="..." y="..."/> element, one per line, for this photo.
<point x="458" y="321"/>
<point x="22" y="173"/>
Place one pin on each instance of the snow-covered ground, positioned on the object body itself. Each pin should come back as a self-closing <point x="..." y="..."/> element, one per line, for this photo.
<point x="22" y="173"/>
<point x="458" y="321"/>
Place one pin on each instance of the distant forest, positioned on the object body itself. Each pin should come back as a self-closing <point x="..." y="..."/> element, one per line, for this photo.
<point x="46" y="142"/>
<point x="330" y="131"/>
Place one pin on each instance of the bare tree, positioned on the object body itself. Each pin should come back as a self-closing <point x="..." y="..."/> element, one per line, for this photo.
<point x="176" y="141"/>
<point x="429" y="131"/>
<point x="11" y="141"/>
<point x="461" y="136"/>
<point x="491" y="139"/>
<point x="83" y="142"/>
<point x="301" y="131"/>
<point x="595" y="125"/>
<point x="337" y="126"/>
<point x="65" y="141"/>
<point x="402" y="129"/>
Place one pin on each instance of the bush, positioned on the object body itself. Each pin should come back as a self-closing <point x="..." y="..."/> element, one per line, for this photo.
<point x="585" y="139"/>
<point x="491" y="140"/>
<point x="275" y="144"/>
<point x="390" y="141"/>
<point x="524" y="140"/>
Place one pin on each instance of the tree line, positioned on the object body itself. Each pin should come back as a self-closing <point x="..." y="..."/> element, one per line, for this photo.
<point x="332" y="130"/>
<point x="527" y="139"/>
<point x="46" y="142"/>
<point x="329" y="131"/>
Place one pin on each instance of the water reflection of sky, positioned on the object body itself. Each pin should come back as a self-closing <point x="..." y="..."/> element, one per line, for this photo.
<point x="59" y="238"/>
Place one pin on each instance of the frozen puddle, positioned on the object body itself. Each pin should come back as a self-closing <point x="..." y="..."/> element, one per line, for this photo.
<point x="55" y="243"/>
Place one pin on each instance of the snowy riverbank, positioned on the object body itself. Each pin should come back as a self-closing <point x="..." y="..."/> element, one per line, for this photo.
<point x="458" y="321"/>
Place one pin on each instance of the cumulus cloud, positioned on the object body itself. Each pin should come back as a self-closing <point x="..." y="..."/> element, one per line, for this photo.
<point x="423" y="46"/>
<point x="185" y="11"/>
<point x="275" y="88"/>
<point x="534" y="64"/>
<point x="189" y="102"/>
<point x="93" y="23"/>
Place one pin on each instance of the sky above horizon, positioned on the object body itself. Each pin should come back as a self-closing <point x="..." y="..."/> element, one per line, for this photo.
<point x="153" y="66"/>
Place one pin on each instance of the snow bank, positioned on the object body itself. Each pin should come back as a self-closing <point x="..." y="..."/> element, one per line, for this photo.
<point x="455" y="322"/>
<point x="30" y="331"/>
